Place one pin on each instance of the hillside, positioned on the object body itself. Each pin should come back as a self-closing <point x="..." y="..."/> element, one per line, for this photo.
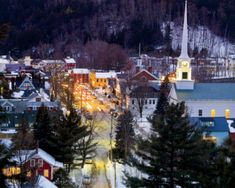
<point x="64" y="26"/>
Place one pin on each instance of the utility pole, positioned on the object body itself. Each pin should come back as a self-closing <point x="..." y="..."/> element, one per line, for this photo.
<point x="113" y="113"/>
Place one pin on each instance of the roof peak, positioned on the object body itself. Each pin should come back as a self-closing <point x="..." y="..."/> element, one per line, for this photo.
<point x="184" y="44"/>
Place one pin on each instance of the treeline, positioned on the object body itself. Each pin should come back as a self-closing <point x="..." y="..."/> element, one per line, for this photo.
<point x="65" y="26"/>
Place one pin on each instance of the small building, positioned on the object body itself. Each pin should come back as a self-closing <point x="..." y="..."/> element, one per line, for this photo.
<point x="215" y="129"/>
<point x="70" y="63"/>
<point x="80" y="75"/>
<point x="102" y="79"/>
<point x="35" y="162"/>
<point x="142" y="101"/>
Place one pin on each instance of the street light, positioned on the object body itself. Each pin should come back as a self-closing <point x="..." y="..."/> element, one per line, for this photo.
<point x="113" y="114"/>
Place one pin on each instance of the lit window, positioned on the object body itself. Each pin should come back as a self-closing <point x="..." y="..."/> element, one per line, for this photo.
<point x="212" y="139"/>
<point x="213" y="112"/>
<point x="227" y="113"/>
<point x="200" y="112"/>
<point x="46" y="173"/>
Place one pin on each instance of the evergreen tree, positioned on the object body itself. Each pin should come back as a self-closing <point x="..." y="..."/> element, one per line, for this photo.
<point x="163" y="97"/>
<point x="174" y="153"/>
<point x="70" y="138"/>
<point x="43" y="128"/>
<point x="124" y="136"/>
<point x="62" y="180"/>
<point x="168" y="40"/>
<point x="5" y="156"/>
<point x="22" y="142"/>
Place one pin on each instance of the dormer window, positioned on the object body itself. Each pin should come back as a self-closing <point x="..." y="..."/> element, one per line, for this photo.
<point x="38" y="99"/>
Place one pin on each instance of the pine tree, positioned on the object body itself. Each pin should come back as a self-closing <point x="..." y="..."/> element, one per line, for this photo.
<point x="66" y="134"/>
<point x="124" y="136"/>
<point x="174" y="153"/>
<point x="62" y="180"/>
<point x="43" y="128"/>
<point x="22" y="142"/>
<point x="163" y="97"/>
<point x="5" y="156"/>
<point x="70" y="139"/>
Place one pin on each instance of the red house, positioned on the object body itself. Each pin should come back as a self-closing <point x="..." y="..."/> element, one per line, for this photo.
<point x="80" y="75"/>
<point x="70" y="63"/>
<point x="41" y="163"/>
<point x="145" y="76"/>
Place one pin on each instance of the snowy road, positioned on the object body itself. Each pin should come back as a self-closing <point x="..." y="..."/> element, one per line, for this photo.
<point x="102" y="152"/>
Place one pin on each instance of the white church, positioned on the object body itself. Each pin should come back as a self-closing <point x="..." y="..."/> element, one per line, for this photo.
<point x="202" y="99"/>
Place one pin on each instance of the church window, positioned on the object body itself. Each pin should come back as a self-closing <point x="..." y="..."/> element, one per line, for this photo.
<point x="133" y="101"/>
<point x="153" y="101"/>
<point x="185" y="75"/>
<point x="200" y="112"/>
<point x="150" y="101"/>
<point x="146" y="101"/>
<point x="213" y="112"/>
<point x="227" y="113"/>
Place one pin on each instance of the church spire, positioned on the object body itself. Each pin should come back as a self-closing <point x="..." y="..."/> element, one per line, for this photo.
<point x="184" y="44"/>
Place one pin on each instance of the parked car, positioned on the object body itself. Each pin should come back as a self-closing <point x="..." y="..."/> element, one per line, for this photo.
<point x="86" y="180"/>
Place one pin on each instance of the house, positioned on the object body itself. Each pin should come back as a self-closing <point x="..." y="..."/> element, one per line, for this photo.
<point x="102" y="79"/>
<point x="17" y="109"/>
<point x="142" y="101"/>
<point x="36" y="162"/>
<point x="80" y="76"/>
<point x="70" y="63"/>
<point x="214" y="129"/>
<point x="42" y="163"/>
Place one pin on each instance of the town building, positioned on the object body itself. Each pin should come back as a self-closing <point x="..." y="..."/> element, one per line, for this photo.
<point x="203" y="100"/>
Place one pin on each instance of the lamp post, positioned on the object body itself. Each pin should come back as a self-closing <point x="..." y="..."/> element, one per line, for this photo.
<point x="113" y="114"/>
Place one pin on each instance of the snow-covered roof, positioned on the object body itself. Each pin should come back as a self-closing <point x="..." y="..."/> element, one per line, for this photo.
<point x="26" y="155"/>
<point x="69" y="60"/>
<point x="4" y="61"/>
<point x="106" y="75"/>
<point x="18" y="94"/>
<point x="48" y="158"/>
<point x="43" y="182"/>
<point x="80" y="71"/>
<point x="7" y="142"/>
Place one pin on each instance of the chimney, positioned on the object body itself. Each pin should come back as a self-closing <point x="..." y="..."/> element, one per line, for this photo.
<point x="150" y="69"/>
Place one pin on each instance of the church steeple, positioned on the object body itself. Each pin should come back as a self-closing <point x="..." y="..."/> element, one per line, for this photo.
<point x="184" y="71"/>
<point x="184" y="44"/>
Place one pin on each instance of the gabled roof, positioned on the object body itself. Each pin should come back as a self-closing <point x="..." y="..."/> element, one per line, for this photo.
<point x="216" y="124"/>
<point x="208" y="91"/>
<point x="106" y="74"/>
<point x="26" y="84"/>
<point x="144" y="91"/>
<point x="7" y="103"/>
<point x="144" y="71"/>
<point x="26" y="155"/>
<point x="47" y="157"/>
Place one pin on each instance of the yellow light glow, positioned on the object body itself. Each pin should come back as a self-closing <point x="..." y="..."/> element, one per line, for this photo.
<point x="227" y="113"/>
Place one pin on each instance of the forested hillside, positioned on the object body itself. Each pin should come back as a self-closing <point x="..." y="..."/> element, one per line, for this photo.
<point x="63" y="26"/>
